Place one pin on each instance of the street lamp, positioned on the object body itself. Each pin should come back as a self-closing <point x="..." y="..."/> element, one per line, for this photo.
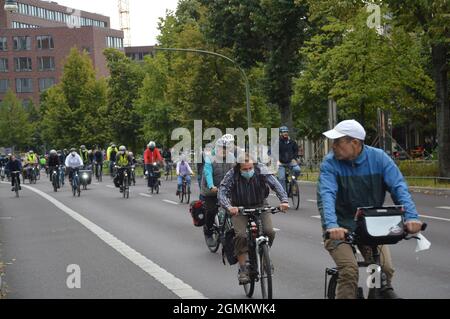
<point x="247" y="86"/>
<point x="11" y="6"/>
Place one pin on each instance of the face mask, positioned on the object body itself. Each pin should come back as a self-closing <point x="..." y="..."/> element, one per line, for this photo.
<point x="248" y="174"/>
<point x="73" y="153"/>
<point x="152" y="148"/>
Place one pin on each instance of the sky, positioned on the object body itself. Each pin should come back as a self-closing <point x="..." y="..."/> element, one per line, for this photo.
<point x="144" y="15"/>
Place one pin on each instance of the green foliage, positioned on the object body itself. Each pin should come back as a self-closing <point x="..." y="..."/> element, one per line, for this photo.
<point x="72" y="111"/>
<point x="15" y="127"/>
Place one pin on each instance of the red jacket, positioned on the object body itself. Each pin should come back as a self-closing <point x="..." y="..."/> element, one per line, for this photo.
<point x="152" y="156"/>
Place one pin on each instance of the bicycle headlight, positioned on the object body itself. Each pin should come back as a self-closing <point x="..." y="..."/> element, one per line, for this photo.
<point x="85" y="176"/>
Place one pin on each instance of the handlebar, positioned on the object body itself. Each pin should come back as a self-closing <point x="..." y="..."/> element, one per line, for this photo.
<point x="257" y="211"/>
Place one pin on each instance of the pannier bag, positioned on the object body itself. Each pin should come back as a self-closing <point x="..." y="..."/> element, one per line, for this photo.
<point x="198" y="213"/>
<point x="380" y="225"/>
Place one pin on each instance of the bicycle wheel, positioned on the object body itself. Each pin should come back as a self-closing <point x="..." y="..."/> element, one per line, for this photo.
<point x="74" y="187"/>
<point x="332" y="284"/>
<point x="79" y="190"/>
<point x="215" y="236"/>
<point x="295" y="194"/>
<point x="265" y="271"/>
<point x="249" y="288"/>
<point x="188" y="195"/>
<point x="16" y="187"/>
<point x="55" y="182"/>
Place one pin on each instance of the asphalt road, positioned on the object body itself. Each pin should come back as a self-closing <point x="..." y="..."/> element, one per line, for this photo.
<point x="147" y="247"/>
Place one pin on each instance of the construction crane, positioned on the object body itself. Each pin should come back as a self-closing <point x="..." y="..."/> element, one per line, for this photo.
<point x="124" y="16"/>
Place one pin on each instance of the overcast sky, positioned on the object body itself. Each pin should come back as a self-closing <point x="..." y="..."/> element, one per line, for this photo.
<point x="144" y="15"/>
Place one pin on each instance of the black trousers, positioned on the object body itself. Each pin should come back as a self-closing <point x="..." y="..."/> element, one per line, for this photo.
<point x="211" y="212"/>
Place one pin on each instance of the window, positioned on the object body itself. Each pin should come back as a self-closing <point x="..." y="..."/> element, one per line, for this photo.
<point x="46" y="63"/>
<point x="46" y="83"/>
<point x="3" y="44"/>
<point x="24" y="85"/>
<point x="22" y="64"/>
<point x="22" y="43"/>
<point x="3" y="65"/>
<point x="4" y="85"/>
<point x="45" y="42"/>
<point x="113" y="42"/>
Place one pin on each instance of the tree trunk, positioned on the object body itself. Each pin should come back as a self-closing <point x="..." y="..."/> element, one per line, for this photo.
<point x="439" y="54"/>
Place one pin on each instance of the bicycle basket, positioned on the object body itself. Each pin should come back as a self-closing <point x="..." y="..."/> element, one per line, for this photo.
<point x="379" y="225"/>
<point x="198" y="213"/>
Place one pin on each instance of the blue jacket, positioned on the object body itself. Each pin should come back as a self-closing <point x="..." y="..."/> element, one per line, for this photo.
<point x="14" y="166"/>
<point x="346" y="185"/>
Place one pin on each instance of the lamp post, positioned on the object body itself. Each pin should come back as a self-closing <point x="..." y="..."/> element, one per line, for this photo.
<point x="247" y="87"/>
<point x="11" y="6"/>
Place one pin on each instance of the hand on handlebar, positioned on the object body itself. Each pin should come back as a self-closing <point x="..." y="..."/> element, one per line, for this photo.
<point x="284" y="207"/>
<point x="413" y="226"/>
<point x="337" y="233"/>
<point x="233" y="211"/>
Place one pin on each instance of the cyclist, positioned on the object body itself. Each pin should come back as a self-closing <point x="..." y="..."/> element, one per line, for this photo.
<point x="111" y="157"/>
<point x="247" y="185"/>
<point x="214" y="170"/>
<point x="151" y="156"/>
<point x="98" y="160"/>
<point x="183" y="170"/>
<point x="14" y="165"/>
<point x="356" y="175"/>
<point x="288" y="156"/>
<point x="31" y="160"/>
<point x="167" y="156"/>
<point x="123" y="161"/>
<point x="73" y="162"/>
<point x="53" y="162"/>
<point x="84" y="154"/>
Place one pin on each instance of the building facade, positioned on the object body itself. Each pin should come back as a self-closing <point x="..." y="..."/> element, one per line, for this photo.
<point x="35" y="41"/>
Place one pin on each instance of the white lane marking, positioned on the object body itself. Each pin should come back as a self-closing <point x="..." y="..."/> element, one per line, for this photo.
<point x="110" y="186"/>
<point x="316" y="216"/>
<point x="276" y="229"/>
<point x="177" y="286"/>
<point x="96" y="183"/>
<point x="312" y="200"/>
<point x="170" y="202"/>
<point x="145" y="195"/>
<point x="444" y="207"/>
<point x="433" y="217"/>
<point x="5" y="218"/>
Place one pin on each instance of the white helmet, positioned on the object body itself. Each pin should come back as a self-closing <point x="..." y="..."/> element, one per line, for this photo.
<point x="130" y="153"/>
<point x="122" y="148"/>
<point x="225" y="141"/>
<point x="151" y="144"/>
<point x="53" y="152"/>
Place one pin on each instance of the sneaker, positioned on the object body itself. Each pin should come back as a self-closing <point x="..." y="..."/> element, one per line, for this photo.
<point x="20" y="188"/>
<point x="178" y="193"/>
<point x="243" y="277"/>
<point x="121" y="190"/>
<point x="12" y="189"/>
<point x="210" y="241"/>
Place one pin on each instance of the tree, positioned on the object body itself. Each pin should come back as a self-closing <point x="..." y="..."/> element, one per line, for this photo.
<point x="432" y="18"/>
<point x="270" y="32"/>
<point x="126" y="78"/>
<point x="15" y="128"/>
<point x="73" y="111"/>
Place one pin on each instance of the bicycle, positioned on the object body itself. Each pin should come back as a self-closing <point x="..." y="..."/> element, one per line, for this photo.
<point x="168" y="170"/>
<point x="125" y="181"/>
<point x="61" y="175"/>
<point x="2" y="173"/>
<point x="99" y="171"/>
<point x="133" y="175"/>
<point x="155" y="174"/>
<point x="15" y="176"/>
<point x="185" y="191"/>
<point x="31" y="175"/>
<point x="76" y="188"/>
<point x="393" y="218"/>
<point x="259" y="264"/>
<point x="86" y="176"/>
<point x="54" y="177"/>
<point x="292" y="187"/>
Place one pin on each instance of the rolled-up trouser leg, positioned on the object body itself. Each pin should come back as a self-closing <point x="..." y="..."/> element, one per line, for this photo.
<point x="211" y="212"/>
<point x="347" y="266"/>
<point x="385" y="259"/>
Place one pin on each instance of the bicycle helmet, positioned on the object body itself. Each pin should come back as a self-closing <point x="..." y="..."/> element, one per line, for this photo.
<point x="284" y="129"/>
<point x="130" y="153"/>
<point x="53" y="152"/>
<point x="30" y="152"/>
<point x="151" y="144"/>
<point x="83" y="147"/>
<point x="122" y="148"/>
<point x="226" y="140"/>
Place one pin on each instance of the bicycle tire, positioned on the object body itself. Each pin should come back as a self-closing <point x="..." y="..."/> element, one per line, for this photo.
<point x="295" y="194"/>
<point x="265" y="272"/>
<point x="188" y="195"/>
<point x="16" y="187"/>
<point x="332" y="284"/>
<point x="249" y="288"/>
<point x="55" y="183"/>
<point x="79" y="190"/>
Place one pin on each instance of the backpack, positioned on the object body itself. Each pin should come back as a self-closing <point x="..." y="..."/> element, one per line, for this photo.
<point x="198" y="213"/>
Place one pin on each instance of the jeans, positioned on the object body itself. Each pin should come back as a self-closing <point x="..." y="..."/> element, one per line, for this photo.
<point x="180" y="181"/>
<point x="295" y="168"/>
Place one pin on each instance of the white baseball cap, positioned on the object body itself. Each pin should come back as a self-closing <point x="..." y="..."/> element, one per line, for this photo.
<point x="347" y="128"/>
